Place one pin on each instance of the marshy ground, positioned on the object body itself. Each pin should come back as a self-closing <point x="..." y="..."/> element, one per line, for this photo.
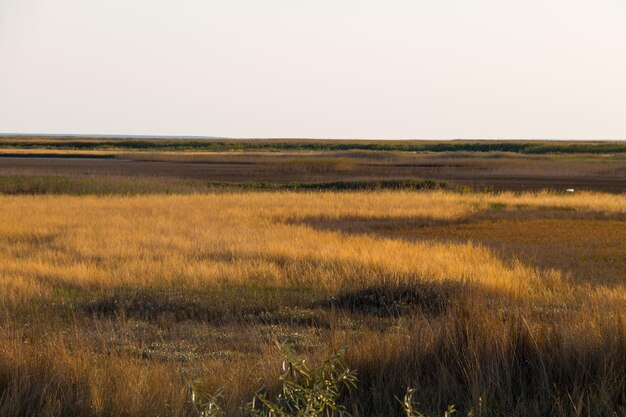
<point x="115" y="291"/>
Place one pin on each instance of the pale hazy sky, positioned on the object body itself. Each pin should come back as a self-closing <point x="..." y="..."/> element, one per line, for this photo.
<point x="315" y="68"/>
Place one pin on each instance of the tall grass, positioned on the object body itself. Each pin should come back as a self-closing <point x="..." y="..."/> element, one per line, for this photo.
<point x="109" y="305"/>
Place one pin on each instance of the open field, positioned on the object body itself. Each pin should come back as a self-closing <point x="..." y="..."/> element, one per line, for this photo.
<point x="109" y="305"/>
<point x="461" y="269"/>
<point x="187" y="170"/>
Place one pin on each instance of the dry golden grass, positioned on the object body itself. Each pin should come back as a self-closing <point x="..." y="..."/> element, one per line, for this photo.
<point x="99" y="296"/>
<point x="94" y="243"/>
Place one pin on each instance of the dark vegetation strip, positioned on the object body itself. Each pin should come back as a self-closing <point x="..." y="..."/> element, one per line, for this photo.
<point x="56" y="155"/>
<point x="26" y="184"/>
<point x="319" y="145"/>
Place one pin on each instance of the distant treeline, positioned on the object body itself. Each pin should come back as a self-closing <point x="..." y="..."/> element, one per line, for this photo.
<point x="524" y="147"/>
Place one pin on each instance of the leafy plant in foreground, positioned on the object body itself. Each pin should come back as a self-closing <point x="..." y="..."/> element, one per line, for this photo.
<point x="409" y="406"/>
<point x="305" y="392"/>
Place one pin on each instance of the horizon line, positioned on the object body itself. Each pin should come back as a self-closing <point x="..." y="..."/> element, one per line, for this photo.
<point x="207" y="137"/>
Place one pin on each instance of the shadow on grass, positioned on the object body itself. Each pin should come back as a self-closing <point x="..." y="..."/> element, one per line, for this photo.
<point x="429" y="299"/>
<point x="219" y="307"/>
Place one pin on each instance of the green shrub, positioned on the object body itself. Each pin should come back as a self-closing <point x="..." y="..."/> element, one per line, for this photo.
<point x="304" y="392"/>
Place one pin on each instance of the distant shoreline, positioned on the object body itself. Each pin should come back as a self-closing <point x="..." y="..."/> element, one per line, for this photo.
<point x="201" y="137"/>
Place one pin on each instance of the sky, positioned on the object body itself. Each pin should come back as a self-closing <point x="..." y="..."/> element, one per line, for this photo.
<point x="407" y="69"/>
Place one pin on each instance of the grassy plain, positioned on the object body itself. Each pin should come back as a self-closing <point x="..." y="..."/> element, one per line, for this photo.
<point x="129" y="267"/>
<point x="109" y="305"/>
<point x="69" y="171"/>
